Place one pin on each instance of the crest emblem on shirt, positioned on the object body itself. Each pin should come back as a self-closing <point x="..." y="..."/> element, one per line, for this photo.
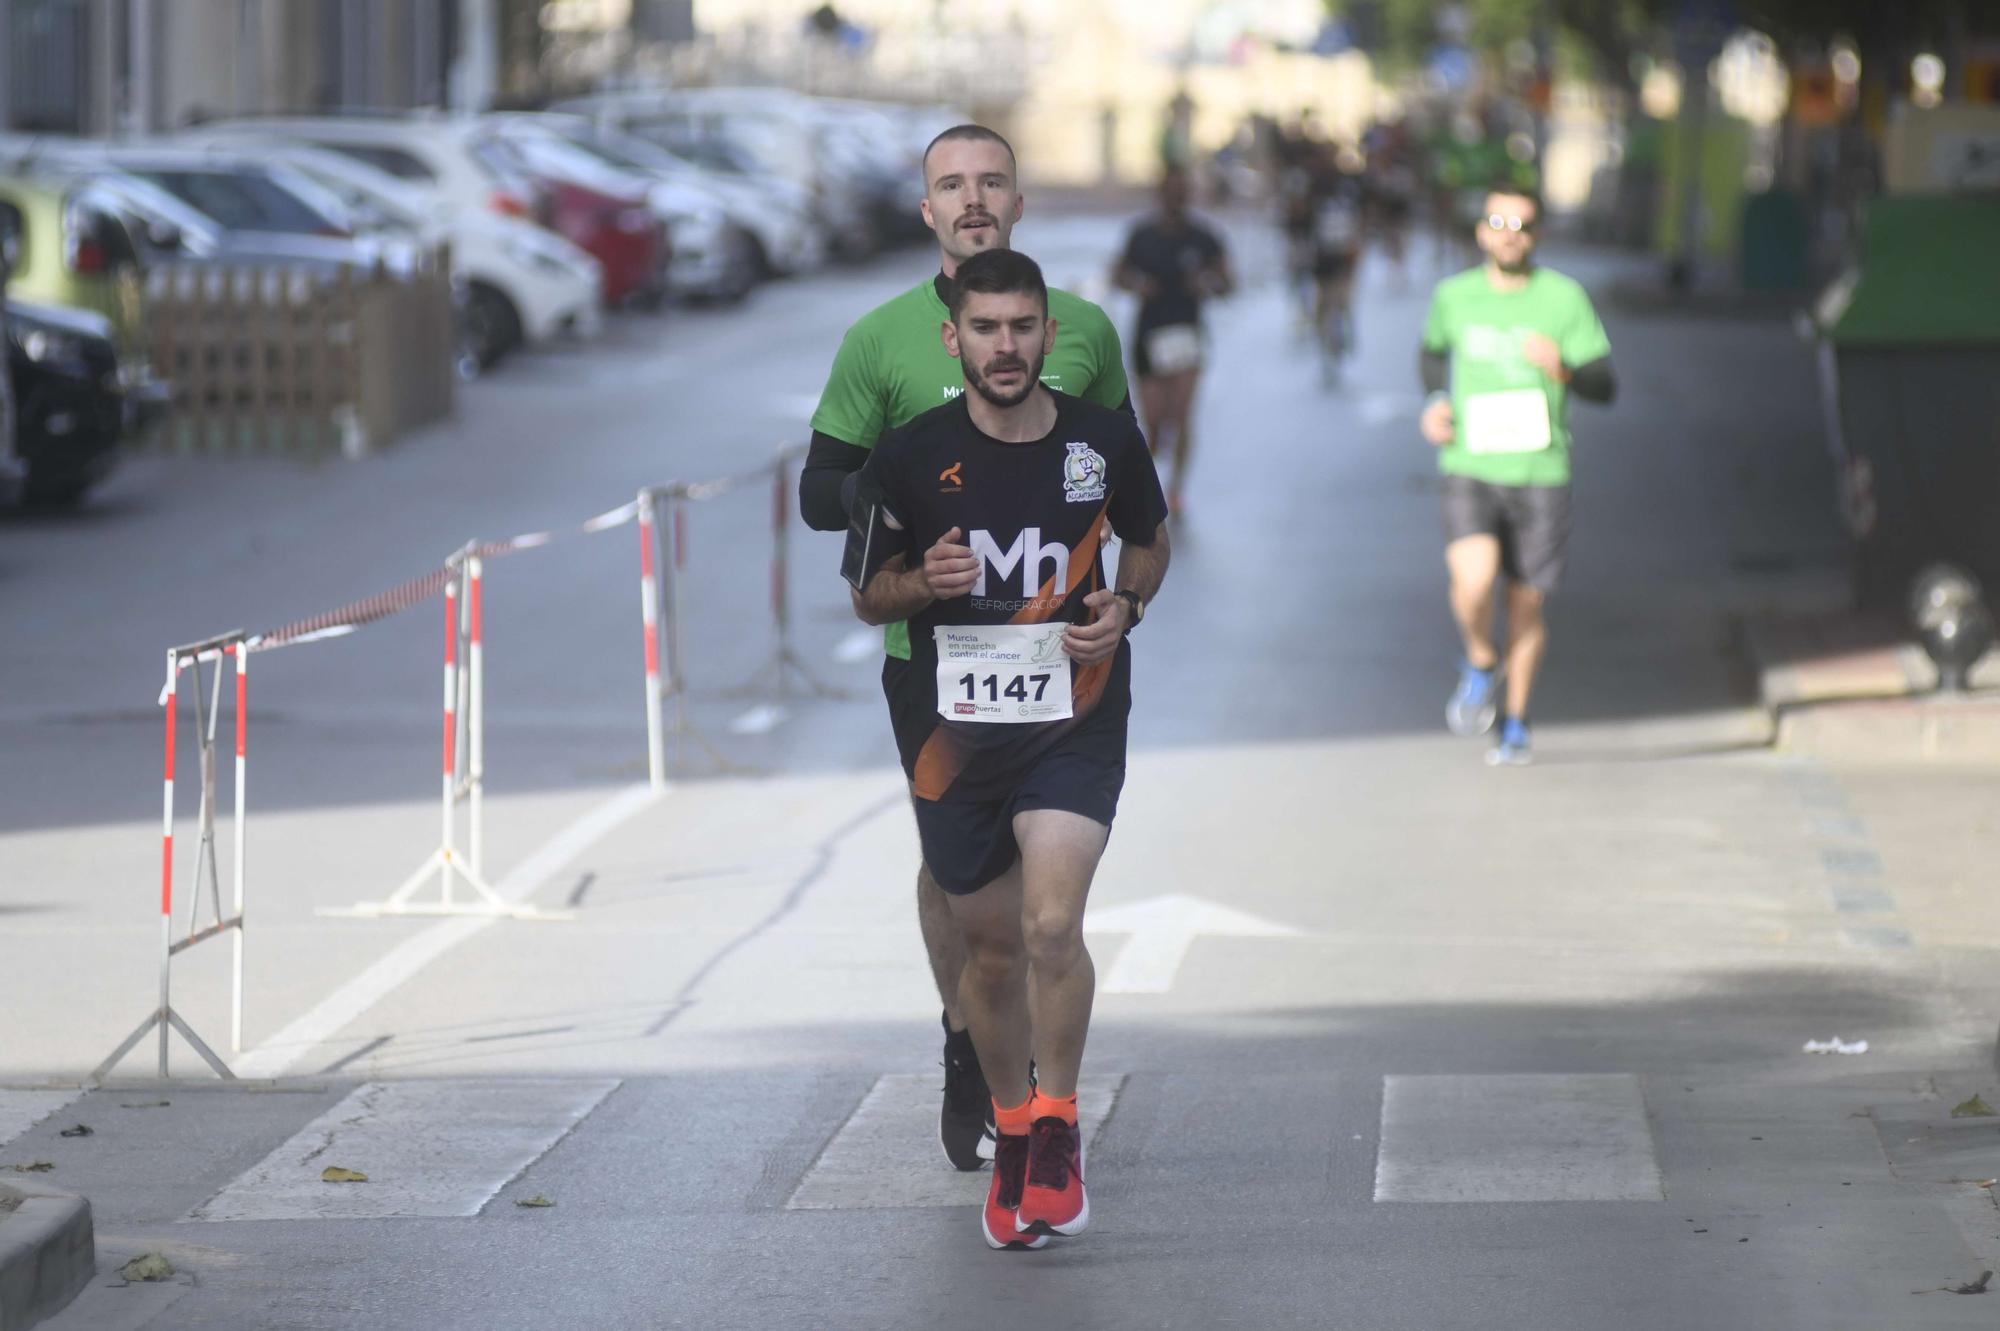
<point x="1083" y="474"/>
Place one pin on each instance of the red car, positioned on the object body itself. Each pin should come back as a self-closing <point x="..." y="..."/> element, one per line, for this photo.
<point x="620" y="233"/>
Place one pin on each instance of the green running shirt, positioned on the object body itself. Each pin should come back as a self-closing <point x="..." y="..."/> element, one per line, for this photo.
<point x="892" y="368"/>
<point x="1482" y="329"/>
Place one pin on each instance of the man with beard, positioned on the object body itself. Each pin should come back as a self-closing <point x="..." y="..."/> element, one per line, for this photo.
<point x="981" y="524"/>
<point x="1504" y="347"/>
<point x="891" y="368"/>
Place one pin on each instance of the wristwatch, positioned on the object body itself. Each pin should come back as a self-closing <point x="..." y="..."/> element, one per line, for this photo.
<point x="1136" y="601"/>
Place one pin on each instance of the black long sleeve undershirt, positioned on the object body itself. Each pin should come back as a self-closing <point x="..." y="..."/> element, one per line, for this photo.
<point x="827" y="481"/>
<point x="1594" y="381"/>
<point x="1434" y="367"/>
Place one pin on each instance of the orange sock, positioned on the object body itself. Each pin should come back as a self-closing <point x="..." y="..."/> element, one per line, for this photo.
<point x="1047" y="1106"/>
<point x="1017" y="1121"/>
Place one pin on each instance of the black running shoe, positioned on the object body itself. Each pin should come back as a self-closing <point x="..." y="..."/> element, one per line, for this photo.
<point x="965" y="1125"/>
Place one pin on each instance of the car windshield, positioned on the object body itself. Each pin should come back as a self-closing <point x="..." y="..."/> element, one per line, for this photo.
<point x="245" y="201"/>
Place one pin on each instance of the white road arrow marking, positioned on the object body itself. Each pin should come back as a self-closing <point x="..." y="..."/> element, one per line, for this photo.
<point x="1162" y="929"/>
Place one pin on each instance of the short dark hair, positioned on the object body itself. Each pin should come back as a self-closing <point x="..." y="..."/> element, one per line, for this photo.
<point x="994" y="272"/>
<point x="1515" y="190"/>
<point x="975" y="133"/>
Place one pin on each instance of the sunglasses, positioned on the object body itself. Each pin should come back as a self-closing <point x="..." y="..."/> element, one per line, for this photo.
<point x="1502" y="222"/>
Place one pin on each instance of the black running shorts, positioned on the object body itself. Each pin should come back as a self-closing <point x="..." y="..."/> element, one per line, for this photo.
<point x="1531" y="523"/>
<point x="969" y="843"/>
<point x="1333" y="265"/>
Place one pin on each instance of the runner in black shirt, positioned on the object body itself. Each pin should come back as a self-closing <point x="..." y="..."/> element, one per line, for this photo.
<point x="1174" y="263"/>
<point x="982" y="524"/>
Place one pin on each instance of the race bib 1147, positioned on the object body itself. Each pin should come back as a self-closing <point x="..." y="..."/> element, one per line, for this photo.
<point x="1006" y="674"/>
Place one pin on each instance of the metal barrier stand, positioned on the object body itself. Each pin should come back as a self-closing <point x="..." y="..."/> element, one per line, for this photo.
<point x="787" y="663"/>
<point x="464" y="771"/>
<point x="164" y="1018"/>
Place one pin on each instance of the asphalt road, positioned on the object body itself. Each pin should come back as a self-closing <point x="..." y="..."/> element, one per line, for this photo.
<point x="1385" y="1038"/>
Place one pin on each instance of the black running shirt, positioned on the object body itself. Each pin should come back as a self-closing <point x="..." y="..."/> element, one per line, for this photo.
<point x="1173" y="256"/>
<point x="1036" y="514"/>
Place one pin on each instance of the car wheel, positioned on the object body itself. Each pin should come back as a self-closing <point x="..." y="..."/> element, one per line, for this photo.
<point x="740" y="277"/>
<point x="489" y="326"/>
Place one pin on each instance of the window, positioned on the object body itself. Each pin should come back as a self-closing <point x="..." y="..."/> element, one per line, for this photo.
<point x="244" y="201"/>
<point x="398" y="162"/>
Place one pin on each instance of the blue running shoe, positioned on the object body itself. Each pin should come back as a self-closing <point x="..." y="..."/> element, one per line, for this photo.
<point x="1513" y="749"/>
<point x="1472" y="708"/>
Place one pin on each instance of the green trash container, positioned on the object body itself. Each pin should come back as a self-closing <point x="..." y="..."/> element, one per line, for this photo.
<point x="1910" y="372"/>
<point x="1773" y="244"/>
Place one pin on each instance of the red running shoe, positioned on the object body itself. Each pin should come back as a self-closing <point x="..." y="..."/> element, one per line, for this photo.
<point x="1003" y="1198"/>
<point x="1053" y="1201"/>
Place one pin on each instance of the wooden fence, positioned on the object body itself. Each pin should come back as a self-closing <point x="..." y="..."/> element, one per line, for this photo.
<point x="270" y="358"/>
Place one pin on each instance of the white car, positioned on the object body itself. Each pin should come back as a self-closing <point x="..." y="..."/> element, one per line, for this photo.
<point x="446" y="156"/>
<point x="524" y="281"/>
<point x="771" y="131"/>
<point x="776" y="214"/>
<point x="712" y="258"/>
<point x="522" y="284"/>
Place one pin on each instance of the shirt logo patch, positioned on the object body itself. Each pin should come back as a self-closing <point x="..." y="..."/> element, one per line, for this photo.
<point x="1083" y="474"/>
<point x="950" y="481"/>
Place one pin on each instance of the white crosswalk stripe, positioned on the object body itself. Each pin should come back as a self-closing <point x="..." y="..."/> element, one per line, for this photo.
<point x="1580" y="1137"/>
<point x="886" y="1154"/>
<point x="21" y="1110"/>
<point x="429" y="1148"/>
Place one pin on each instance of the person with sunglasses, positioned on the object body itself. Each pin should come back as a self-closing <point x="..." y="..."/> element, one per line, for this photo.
<point x="1505" y="346"/>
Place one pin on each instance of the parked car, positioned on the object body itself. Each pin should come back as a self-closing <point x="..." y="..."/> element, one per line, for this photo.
<point x="774" y="214"/>
<point x="521" y="283"/>
<point x="712" y="259"/>
<point x="760" y="131"/>
<point x="204" y="203"/>
<point x="69" y="249"/>
<point x="458" y="157"/>
<point x="449" y="156"/>
<point x="69" y="400"/>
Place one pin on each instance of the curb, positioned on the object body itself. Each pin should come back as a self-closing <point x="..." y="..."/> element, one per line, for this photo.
<point x="1836" y="688"/>
<point x="48" y="1253"/>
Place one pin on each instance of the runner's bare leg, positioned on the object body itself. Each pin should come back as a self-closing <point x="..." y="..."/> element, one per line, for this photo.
<point x="1527" y="639"/>
<point x="993" y="986"/>
<point x="1059" y="855"/>
<point x="1474" y="564"/>
<point x="943" y="944"/>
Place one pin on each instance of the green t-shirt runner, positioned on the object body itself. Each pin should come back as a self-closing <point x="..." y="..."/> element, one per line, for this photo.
<point x="892" y="367"/>
<point x="1512" y="419"/>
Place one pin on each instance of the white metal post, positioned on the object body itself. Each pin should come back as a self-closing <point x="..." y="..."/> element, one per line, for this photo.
<point x="649" y="618"/>
<point x="448" y="867"/>
<point x="236" y="961"/>
<point x="476" y="722"/>
<point x="671" y="585"/>
<point x="167" y="862"/>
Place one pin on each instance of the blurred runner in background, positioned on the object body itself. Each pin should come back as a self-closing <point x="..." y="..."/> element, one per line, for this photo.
<point x="1173" y="263"/>
<point x="1392" y="192"/>
<point x="1338" y="222"/>
<point x="1504" y="346"/>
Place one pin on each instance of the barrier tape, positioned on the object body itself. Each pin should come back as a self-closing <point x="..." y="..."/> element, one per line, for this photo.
<point x="357" y="614"/>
